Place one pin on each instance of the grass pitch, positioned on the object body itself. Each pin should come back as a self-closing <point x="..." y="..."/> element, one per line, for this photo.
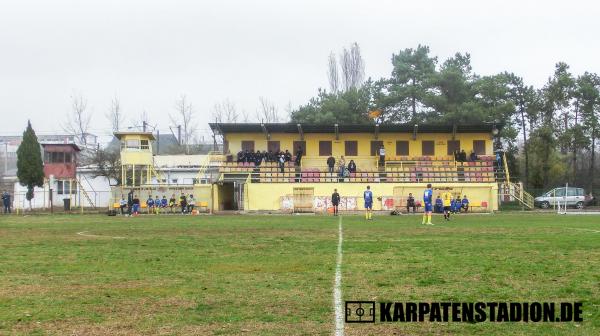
<point x="274" y="275"/>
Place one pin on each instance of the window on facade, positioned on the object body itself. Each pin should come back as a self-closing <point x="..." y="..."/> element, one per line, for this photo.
<point x="453" y="146"/>
<point x="68" y="157"/>
<point x="479" y="147"/>
<point x="133" y="144"/>
<point x="247" y="145"/>
<point x="375" y="145"/>
<point x="428" y="147"/>
<point x="402" y="148"/>
<point x="324" y="148"/>
<point x="351" y="148"/>
<point x="273" y="146"/>
<point x="56" y="157"/>
<point x="66" y="187"/>
<point x="301" y="145"/>
<point x="144" y="144"/>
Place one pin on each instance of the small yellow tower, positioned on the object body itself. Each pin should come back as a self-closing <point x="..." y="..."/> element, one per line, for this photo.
<point x="137" y="164"/>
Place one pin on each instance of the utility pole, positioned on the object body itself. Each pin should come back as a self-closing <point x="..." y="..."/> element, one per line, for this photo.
<point x="179" y="134"/>
<point x="157" y="141"/>
<point x="5" y="158"/>
<point x="144" y="126"/>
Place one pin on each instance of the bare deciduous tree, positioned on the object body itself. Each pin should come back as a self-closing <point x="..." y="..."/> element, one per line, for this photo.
<point x="245" y="116"/>
<point x="225" y="112"/>
<point x="353" y="67"/>
<point x="114" y="114"/>
<point x="267" y="111"/>
<point x="184" y="116"/>
<point x="78" y="121"/>
<point x="333" y="74"/>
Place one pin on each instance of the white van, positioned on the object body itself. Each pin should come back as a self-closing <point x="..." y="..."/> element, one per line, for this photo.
<point x="575" y="197"/>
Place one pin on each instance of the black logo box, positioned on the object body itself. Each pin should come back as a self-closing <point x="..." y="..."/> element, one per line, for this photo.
<point x="360" y="312"/>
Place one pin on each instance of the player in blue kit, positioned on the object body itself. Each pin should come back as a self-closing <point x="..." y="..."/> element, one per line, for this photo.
<point x="368" y="196"/>
<point x="150" y="204"/>
<point x="427" y="200"/>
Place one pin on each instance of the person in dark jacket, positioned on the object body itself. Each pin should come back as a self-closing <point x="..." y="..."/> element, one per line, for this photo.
<point x="183" y="203"/>
<point x="410" y="203"/>
<point x="335" y="201"/>
<point x="299" y="154"/>
<point x="130" y="202"/>
<point x="6" y="202"/>
<point x="330" y="164"/>
<point x="352" y="166"/>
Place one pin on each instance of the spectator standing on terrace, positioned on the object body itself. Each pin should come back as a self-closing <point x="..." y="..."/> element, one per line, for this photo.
<point x="456" y="155"/>
<point x="463" y="156"/>
<point x="342" y="166"/>
<point x="288" y="156"/>
<point x="299" y="154"/>
<point x="381" y="156"/>
<point x="472" y="156"/>
<point x="335" y="201"/>
<point x="258" y="158"/>
<point x="282" y="163"/>
<point x="352" y="166"/>
<point x="330" y="164"/>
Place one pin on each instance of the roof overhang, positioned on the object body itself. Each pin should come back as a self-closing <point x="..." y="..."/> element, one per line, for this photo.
<point x="224" y="128"/>
<point x="74" y="146"/>
<point x="119" y="135"/>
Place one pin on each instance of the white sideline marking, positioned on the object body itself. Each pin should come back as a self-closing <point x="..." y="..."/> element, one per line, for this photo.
<point x="83" y="233"/>
<point x="588" y="230"/>
<point x="337" y="289"/>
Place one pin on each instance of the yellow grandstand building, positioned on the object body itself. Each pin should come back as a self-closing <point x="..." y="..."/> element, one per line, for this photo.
<point x="413" y="155"/>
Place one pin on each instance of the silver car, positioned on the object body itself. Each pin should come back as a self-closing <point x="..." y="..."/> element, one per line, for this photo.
<point x="574" y="197"/>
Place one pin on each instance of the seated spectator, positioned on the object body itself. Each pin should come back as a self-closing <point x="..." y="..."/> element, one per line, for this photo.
<point x="410" y="203"/>
<point x="330" y="164"/>
<point x="191" y="204"/>
<point x="352" y="166"/>
<point x="240" y="156"/>
<point x="465" y="203"/>
<point x="472" y="156"/>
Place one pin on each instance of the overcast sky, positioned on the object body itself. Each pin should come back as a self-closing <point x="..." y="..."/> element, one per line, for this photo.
<point x="148" y="53"/>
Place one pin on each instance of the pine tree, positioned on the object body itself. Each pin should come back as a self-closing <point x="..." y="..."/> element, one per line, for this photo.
<point x="30" y="169"/>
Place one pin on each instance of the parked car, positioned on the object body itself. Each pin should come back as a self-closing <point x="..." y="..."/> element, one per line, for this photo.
<point x="575" y="197"/>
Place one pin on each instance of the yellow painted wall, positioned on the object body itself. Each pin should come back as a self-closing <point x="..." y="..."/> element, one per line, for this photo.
<point x="364" y="142"/>
<point x="267" y="196"/>
<point x="137" y="157"/>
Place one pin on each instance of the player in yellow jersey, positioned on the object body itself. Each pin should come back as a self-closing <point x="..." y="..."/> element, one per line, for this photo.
<point x="446" y="200"/>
